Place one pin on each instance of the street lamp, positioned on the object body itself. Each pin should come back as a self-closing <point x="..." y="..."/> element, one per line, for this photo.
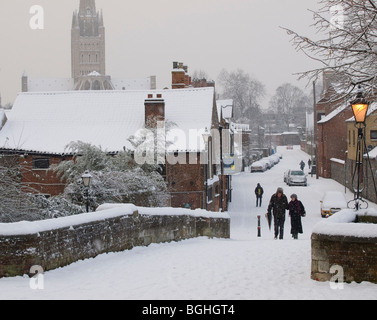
<point x="86" y="179"/>
<point x="206" y="135"/>
<point x="359" y="109"/>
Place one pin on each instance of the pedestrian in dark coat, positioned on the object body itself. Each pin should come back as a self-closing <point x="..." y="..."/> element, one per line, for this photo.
<point x="278" y="204"/>
<point x="296" y="211"/>
<point x="259" y="194"/>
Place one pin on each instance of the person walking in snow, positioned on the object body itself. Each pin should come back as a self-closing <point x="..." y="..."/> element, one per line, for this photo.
<point x="309" y="164"/>
<point x="302" y="165"/>
<point x="296" y="211"/>
<point x="277" y="206"/>
<point x="259" y="194"/>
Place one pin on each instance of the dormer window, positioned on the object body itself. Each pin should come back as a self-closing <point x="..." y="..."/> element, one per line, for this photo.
<point x="88" y="12"/>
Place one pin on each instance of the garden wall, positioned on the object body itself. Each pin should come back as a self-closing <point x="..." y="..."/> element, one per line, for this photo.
<point x="59" y="242"/>
<point x="347" y="240"/>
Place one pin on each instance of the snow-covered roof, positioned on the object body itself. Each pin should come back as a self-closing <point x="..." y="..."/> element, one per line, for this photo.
<point x="333" y="114"/>
<point x="131" y="84"/>
<point x="224" y="106"/>
<point x="50" y="84"/>
<point x="47" y="122"/>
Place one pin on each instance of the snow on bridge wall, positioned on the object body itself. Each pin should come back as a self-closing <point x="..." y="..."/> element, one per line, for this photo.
<point x="346" y="241"/>
<point x="59" y="242"/>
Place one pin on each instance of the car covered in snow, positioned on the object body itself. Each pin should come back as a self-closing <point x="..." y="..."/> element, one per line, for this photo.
<point x="332" y="202"/>
<point x="296" y="178"/>
<point x="258" y="166"/>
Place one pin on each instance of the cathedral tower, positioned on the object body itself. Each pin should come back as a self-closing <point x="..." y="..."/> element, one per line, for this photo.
<point x="88" y="41"/>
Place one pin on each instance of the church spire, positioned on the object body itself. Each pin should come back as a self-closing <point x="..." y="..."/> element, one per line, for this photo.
<point x="88" y="41"/>
<point x="87" y="8"/>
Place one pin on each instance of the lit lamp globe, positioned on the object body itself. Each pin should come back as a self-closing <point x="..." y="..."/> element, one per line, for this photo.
<point x="360" y="108"/>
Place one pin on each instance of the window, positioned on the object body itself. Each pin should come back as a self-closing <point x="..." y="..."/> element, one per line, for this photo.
<point x="373" y="134"/>
<point x="349" y="137"/>
<point x="41" y="163"/>
<point x="209" y="194"/>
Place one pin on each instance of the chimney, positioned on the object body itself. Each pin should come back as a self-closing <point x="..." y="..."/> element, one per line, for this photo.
<point x="178" y="76"/>
<point x="154" y="110"/>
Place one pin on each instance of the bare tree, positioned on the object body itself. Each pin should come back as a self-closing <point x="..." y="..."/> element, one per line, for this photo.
<point x="246" y="93"/>
<point x="291" y="103"/>
<point x="349" y="43"/>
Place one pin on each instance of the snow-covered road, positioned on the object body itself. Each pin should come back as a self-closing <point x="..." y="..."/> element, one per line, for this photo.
<point x="244" y="267"/>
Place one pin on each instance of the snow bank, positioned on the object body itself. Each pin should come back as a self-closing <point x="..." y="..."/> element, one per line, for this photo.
<point x="343" y="224"/>
<point x="106" y="211"/>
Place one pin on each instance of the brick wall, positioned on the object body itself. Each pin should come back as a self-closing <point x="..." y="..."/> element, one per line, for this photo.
<point x="354" y="252"/>
<point x="44" y="181"/>
<point x="332" y="142"/>
<point x="344" y="173"/>
<point x="53" y="248"/>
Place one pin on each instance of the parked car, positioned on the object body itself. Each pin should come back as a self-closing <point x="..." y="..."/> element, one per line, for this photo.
<point x="270" y="160"/>
<point x="332" y="202"/>
<point x="275" y="158"/>
<point x="258" y="166"/>
<point x="266" y="162"/>
<point x="286" y="176"/>
<point x="296" y="178"/>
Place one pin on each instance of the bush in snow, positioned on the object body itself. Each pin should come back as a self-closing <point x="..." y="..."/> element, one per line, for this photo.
<point x="115" y="179"/>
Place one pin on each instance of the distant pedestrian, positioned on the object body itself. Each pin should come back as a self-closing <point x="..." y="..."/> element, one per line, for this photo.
<point x="277" y="206"/>
<point x="296" y="211"/>
<point x="309" y="163"/>
<point x="259" y="194"/>
<point x="302" y="165"/>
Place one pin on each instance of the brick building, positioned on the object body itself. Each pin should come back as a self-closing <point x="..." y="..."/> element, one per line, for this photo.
<point x="332" y="111"/>
<point x="40" y="126"/>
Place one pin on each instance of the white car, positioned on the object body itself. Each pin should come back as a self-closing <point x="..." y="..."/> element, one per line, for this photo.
<point x="332" y="202"/>
<point x="258" y="166"/>
<point x="296" y="178"/>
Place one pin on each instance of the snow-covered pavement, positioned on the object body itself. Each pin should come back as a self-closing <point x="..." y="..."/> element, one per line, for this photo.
<point x="244" y="267"/>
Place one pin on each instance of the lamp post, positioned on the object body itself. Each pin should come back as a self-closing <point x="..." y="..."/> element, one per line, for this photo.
<point x="86" y="179"/>
<point x="359" y="109"/>
<point x="206" y="135"/>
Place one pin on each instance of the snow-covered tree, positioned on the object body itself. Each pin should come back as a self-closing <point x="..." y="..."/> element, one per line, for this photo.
<point x="348" y="44"/>
<point x="19" y="202"/>
<point x="115" y="178"/>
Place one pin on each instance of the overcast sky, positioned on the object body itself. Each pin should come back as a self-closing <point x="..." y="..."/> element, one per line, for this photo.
<point x="144" y="37"/>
